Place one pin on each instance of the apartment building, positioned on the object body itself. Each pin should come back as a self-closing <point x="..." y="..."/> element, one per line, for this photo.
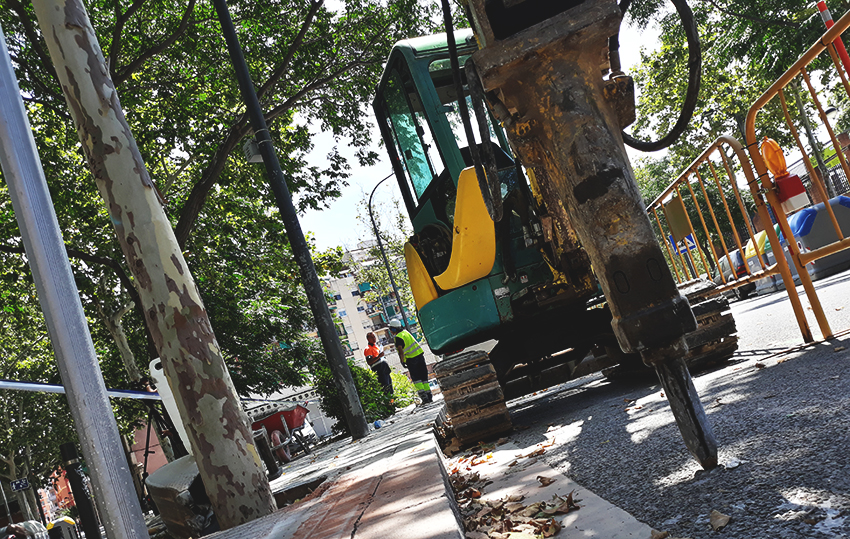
<point x="356" y="316"/>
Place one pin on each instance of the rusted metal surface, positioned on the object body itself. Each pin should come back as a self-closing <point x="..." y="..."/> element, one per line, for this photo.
<point x="565" y="122"/>
<point x="687" y="409"/>
<point x="620" y="93"/>
<point x="564" y="129"/>
<point x="218" y="428"/>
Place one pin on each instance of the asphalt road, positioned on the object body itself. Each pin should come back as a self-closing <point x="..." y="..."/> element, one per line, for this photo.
<point x="781" y="417"/>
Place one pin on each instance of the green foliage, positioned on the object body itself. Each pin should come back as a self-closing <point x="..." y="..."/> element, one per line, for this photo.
<point x="329" y="262"/>
<point x="745" y="47"/>
<point x="403" y="390"/>
<point x="376" y="404"/>
<point x="315" y="67"/>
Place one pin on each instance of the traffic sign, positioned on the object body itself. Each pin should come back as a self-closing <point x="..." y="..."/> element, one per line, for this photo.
<point x="688" y="241"/>
<point x="20" y="484"/>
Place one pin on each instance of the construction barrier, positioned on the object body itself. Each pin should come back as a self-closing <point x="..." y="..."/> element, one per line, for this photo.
<point x="800" y="255"/>
<point x="811" y="238"/>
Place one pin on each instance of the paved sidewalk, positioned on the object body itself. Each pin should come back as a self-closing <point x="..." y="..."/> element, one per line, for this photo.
<point x="394" y="484"/>
<point x="391" y="484"/>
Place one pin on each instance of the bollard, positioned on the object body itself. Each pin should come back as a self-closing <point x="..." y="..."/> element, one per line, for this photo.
<point x="80" y="489"/>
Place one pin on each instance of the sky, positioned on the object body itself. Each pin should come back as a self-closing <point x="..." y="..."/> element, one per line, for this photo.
<point x="338" y="225"/>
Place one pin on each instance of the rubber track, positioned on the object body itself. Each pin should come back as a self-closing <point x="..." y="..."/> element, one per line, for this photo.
<point x="475" y="403"/>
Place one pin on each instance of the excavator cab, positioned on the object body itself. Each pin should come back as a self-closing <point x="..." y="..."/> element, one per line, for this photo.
<point x="473" y="279"/>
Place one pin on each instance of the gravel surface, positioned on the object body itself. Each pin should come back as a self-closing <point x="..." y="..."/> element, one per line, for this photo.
<point x="781" y="417"/>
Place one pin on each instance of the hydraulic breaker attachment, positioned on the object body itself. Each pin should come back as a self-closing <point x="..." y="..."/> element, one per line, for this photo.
<point x="543" y="76"/>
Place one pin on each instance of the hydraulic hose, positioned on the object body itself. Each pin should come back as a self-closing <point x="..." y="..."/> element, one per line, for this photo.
<point x="694" y="76"/>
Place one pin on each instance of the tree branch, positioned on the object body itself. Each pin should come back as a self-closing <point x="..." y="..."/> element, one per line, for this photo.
<point x="293" y="48"/>
<point x="209" y="177"/>
<point x="94" y="259"/>
<point x="120" y="20"/>
<point x="118" y="78"/>
<point x="773" y="22"/>
<point x="172" y="176"/>
<point x="32" y="36"/>
<point x="45" y="89"/>
<point x="315" y="85"/>
<point x="8" y="370"/>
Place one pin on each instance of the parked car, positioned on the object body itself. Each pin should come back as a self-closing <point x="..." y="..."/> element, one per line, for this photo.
<point x="740" y="271"/>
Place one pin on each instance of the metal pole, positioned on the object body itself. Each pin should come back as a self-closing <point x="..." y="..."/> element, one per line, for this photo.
<point x="826" y="16"/>
<point x="812" y="141"/>
<point x="5" y="501"/>
<point x="80" y="489"/>
<point x="355" y="418"/>
<point x="384" y="255"/>
<point x="63" y="314"/>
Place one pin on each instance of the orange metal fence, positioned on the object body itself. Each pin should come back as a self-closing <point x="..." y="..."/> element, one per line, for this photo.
<point x="794" y="75"/>
<point x="724" y="212"/>
<point x="718" y="238"/>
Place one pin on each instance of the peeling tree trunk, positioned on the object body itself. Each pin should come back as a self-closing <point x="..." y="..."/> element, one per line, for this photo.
<point x="218" y="428"/>
<point x="24" y="505"/>
<point x="30" y="492"/>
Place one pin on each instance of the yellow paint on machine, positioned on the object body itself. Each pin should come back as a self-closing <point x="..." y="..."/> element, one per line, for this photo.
<point x="473" y="238"/>
<point x="421" y="284"/>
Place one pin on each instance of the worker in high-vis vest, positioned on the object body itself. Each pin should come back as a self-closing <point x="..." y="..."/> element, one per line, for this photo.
<point x="413" y="358"/>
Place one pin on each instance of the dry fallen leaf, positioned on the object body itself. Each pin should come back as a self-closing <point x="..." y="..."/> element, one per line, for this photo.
<point x="551" y="528"/>
<point x="531" y="510"/>
<point x="484" y="512"/>
<point x="512" y="464"/>
<point x="781" y="360"/>
<point x="545" y="481"/>
<point x="535" y="453"/>
<point x="502" y="441"/>
<point x="472" y="493"/>
<point x="718" y="520"/>
<point x="658" y="535"/>
<point x="513" y="507"/>
<point x="496" y="504"/>
<point x="516" y="497"/>
<point x="839" y="348"/>
<point x="568" y="504"/>
<point x="476" y="535"/>
<point x="759" y="365"/>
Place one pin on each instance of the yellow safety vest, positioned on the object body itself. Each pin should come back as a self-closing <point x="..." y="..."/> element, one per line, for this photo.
<point x="411" y="346"/>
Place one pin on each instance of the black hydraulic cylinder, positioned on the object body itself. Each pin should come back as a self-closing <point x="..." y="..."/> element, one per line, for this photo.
<point x="80" y="488"/>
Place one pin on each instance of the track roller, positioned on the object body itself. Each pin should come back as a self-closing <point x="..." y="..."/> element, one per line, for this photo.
<point x="475" y="403"/>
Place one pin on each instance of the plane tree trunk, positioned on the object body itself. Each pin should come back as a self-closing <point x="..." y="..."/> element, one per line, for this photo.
<point x="218" y="429"/>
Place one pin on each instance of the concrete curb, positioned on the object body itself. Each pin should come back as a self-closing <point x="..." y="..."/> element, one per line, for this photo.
<point x="596" y="518"/>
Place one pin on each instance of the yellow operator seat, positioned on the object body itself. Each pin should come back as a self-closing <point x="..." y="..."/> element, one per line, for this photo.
<point x="473" y="236"/>
<point x="421" y="283"/>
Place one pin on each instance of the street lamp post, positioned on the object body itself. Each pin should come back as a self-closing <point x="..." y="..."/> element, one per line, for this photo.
<point x="384" y="254"/>
<point x="353" y="410"/>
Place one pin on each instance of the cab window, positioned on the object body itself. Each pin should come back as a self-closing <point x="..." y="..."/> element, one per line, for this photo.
<point x="409" y="130"/>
